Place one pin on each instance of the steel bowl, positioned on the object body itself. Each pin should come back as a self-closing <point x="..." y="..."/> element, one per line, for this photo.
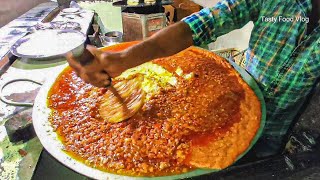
<point x="110" y="38"/>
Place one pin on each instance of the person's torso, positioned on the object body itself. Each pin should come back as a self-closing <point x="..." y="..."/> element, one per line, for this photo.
<point x="283" y="54"/>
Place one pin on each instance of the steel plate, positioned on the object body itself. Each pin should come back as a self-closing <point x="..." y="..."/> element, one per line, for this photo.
<point x="75" y="50"/>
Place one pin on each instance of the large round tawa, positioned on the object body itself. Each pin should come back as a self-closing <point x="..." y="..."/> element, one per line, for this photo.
<point x="54" y="146"/>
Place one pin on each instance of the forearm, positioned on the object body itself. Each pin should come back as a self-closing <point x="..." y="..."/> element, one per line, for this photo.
<point x="166" y="42"/>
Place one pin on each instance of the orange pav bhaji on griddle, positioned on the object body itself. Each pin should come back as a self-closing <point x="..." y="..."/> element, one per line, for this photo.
<point x="198" y="113"/>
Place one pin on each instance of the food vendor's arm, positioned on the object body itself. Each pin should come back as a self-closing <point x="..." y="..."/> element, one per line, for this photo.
<point x="104" y="65"/>
<point x="200" y="28"/>
<point x="166" y="42"/>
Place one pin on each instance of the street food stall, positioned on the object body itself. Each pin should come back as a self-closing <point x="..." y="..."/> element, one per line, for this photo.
<point x="179" y="121"/>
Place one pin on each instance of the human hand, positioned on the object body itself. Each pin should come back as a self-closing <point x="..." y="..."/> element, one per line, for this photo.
<point x="97" y="67"/>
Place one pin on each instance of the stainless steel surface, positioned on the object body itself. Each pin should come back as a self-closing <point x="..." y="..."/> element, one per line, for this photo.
<point x="58" y="25"/>
<point x="13" y="165"/>
<point x="17" y="28"/>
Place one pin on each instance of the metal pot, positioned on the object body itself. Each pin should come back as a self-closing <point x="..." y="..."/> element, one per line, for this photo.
<point x="110" y="38"/>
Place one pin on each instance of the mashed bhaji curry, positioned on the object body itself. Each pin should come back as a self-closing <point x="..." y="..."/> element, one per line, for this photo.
<point x="197" y="113"/>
